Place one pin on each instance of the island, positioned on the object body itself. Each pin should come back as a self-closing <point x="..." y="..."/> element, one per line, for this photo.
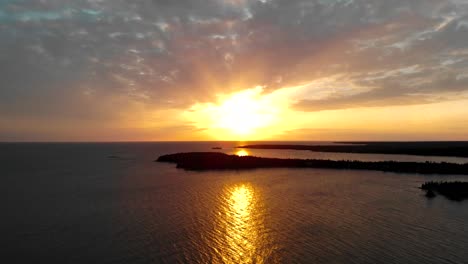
<point x="456" y="190"/>
<point x="450" y="148"/>
<point x="201" y="161"/>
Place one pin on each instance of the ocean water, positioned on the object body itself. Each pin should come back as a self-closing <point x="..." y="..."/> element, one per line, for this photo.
<point x="71" y="203"/>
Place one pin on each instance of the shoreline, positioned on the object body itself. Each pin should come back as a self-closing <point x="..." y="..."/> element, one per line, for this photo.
<point x="205" y="161"/>
<point x="442" y="149"/>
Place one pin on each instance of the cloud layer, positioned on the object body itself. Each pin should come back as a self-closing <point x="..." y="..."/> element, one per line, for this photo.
<point x="92" y="60"/>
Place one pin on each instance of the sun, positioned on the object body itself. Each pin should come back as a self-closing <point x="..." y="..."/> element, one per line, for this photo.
<point x="241" y="115"/>
<point x="244" y="112"/>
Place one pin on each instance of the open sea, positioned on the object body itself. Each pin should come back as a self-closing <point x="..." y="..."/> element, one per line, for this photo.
<point x="110" y="203"/>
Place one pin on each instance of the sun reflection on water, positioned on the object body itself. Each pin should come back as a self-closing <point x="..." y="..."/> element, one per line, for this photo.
<point x="242" y="234"/>
<point x="242" y="153"/>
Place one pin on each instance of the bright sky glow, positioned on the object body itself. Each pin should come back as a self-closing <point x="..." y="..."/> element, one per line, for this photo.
<point x="241" y="115"/>
<point x="329" y="70"/>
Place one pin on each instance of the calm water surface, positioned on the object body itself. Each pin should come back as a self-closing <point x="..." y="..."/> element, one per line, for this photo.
<point x="70" y="203"/>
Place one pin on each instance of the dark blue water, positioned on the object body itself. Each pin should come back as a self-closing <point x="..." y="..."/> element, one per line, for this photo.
<point x="71" y="203"/>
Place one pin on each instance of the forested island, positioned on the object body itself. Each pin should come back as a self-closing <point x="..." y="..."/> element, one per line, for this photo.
<point x="452" y="149"/>
<point x="220" y="161"/>
<point x="456" y="190"/>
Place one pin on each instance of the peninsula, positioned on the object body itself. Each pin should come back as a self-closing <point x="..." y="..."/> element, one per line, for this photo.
<point x="451" y="148"/>
<point x="202" y="161"/>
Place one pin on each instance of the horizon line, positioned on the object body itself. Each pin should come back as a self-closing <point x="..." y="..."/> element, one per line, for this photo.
<point x="194" y="141"/>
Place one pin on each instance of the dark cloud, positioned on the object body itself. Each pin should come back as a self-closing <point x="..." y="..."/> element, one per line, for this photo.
<point x="59" y="58"/>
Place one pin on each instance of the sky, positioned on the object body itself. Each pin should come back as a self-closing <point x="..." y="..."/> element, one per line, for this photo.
<point x="165" y="70"/>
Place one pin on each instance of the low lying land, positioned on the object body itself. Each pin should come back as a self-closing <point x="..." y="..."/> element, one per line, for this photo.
<point x="451" y="149"/>
<point x="457" y="190"/>
<point x="220" y="161"/>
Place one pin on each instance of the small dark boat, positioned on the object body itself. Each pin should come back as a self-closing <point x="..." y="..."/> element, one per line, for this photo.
<point x="216" y="148"/>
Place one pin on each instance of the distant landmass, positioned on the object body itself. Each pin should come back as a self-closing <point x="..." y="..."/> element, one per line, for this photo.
<point x="456" y="191"/>
<point x="221" y="161"/>
<point x="450" y="149"/>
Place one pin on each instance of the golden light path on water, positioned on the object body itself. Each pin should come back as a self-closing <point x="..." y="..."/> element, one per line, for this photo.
<point x="242" y="153"/>
<point x="243" y="237"/>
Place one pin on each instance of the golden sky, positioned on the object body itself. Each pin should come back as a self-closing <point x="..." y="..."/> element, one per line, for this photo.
<point x="233" y="70"/>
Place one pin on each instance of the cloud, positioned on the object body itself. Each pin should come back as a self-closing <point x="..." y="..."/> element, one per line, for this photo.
<point x="68" y="58"/>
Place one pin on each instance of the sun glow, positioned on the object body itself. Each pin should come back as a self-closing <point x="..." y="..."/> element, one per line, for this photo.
<point x="242" y="153"/>
<point x="242" y="114"/>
